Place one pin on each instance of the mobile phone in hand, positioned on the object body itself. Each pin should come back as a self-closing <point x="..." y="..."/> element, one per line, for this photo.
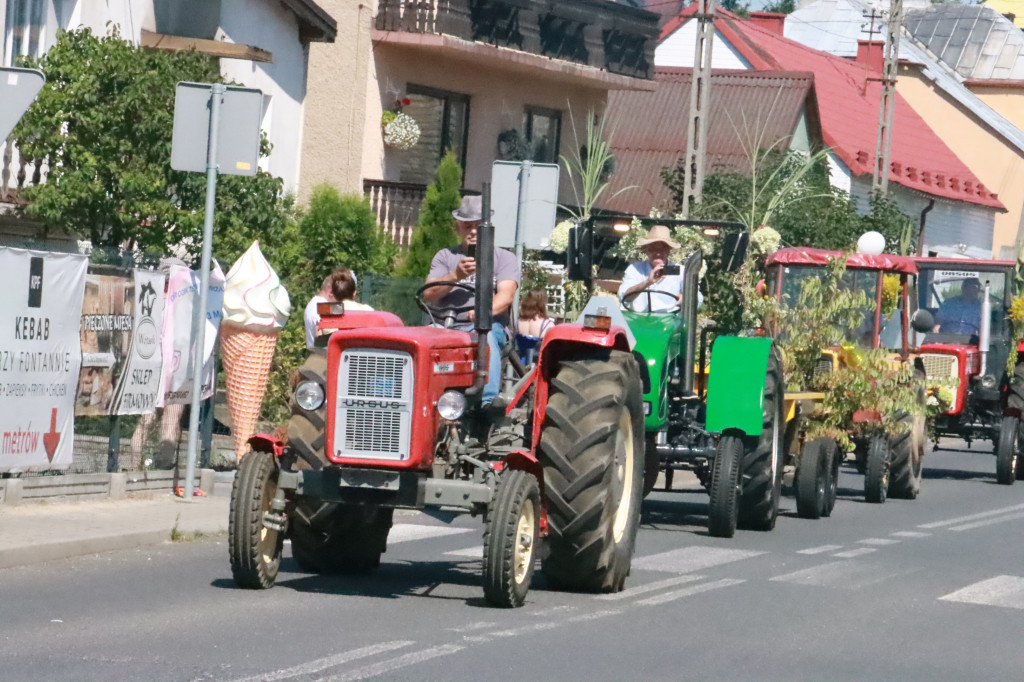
<point x="470" y="251"/>
<point x="670" y="269"/>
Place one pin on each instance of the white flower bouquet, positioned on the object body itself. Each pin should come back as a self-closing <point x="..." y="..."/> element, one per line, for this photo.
<point x="401" y="132"/>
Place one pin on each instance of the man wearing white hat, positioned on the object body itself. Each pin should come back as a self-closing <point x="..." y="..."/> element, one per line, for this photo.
<point x="650" y="274"/>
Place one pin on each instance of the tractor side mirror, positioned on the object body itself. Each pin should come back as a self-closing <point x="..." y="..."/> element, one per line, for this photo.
<point x="580" y="253"/>
<point x="922" y="321"/>
<point x="734" y="250"/>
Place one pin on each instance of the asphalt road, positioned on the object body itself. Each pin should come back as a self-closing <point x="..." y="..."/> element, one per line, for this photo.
<point x="926" y="590"/>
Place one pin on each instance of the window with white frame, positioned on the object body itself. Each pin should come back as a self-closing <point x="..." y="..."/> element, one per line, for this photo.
<point x="30" y="26"/>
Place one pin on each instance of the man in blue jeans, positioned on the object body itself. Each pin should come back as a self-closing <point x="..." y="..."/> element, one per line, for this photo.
<point x="458" y="265"/>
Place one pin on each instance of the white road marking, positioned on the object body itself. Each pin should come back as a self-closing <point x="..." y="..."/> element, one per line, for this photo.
<point x="988" y="522"/>
<point x="407" y="532"/>
<point x="472" y="626"/>
<point x="385" y="667"/>
<point x="1004" y="590"/>
<point x="468" y="553"/>
<point x="651" y="587"/>
<point x="689" y="559"/>
<point x="850" y="553"/>
<point x="320" y="664"/>
<point x="584" y="617"/>
<point x="819" y="550"/>
<point x="881" y="542"/>
<point x="844" y="574"/>
<point x="971" y="517"/>
<point x="689" y="591"/>
<point x="513" y="632"/>
<point x="910" y="534"/>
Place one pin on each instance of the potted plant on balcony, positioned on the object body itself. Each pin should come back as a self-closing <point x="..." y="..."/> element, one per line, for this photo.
<point x="400" y="129"/>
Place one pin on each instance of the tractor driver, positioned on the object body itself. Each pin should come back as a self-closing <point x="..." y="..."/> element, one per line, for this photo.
<point x="962" y="314"/>
<point x="650" y="274"/>
<point x="457" y="264"/>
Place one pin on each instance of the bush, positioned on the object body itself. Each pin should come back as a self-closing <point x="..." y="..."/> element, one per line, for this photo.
<point x="435" y="230"/>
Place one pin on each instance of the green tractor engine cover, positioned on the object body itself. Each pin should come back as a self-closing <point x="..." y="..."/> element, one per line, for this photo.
<point x="736" y="384"/>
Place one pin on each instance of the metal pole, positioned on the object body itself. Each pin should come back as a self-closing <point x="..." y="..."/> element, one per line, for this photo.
<point x="524" y="181"/>
<point x="199" y="314"/>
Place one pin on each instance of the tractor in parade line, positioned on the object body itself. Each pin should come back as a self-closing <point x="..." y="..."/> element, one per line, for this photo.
<point x="725" y="426"/>
<point x="891" y="465"/>
<point x="389" y="417"/>
<point x="968" y="351"/>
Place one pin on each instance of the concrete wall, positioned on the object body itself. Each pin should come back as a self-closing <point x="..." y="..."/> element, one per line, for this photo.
<point x="998" y="164"/>
<point x="679" y="49"/>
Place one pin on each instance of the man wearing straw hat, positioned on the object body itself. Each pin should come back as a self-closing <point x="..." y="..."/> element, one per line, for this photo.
<point x="650" y="274"/>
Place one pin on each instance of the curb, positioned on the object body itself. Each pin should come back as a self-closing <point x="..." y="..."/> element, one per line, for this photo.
<point x="64" y="549"/>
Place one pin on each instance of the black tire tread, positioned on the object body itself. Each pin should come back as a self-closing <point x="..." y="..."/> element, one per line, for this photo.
<point x="1007" y="459"/>
<point x="723" y="508"/>
<point x="306" y="430"/>
<point x="245" y="522"/>
<point x="812" y="478"/>
<point x="500" y="541"/>
<point x="876" y="468"/>
<point x="759" y="501"/>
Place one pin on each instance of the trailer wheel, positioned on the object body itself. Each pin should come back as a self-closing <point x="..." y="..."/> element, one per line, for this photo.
<point x="762" y="463"/>
<point x="591" y="447"/>
<point x="1016" y="401"/>
<point x="1007" y="465"/>
<point x="832" y="486"/>
<point x="876" y="468"/>
<point x="724" y="507"/>
<point x="340" y="538"/>
<point x="510" y="539"/>
<point x="652" y="464"/>
<point x="306" y="430"/>
<point x="908" y="459"/>
<point x="255" y="549"/>
<point x="812" y="478"/>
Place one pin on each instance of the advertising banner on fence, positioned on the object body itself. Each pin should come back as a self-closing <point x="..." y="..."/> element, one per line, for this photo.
<point x="40" y="313"/>
<point x="122" y="315"/>
<point x="178" y="343"/>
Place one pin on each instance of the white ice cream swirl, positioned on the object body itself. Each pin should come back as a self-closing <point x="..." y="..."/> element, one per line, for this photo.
<point x="253" y="295"/>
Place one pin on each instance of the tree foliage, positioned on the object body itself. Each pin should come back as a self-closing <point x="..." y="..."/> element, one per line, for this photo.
<point x="435" y="229"/>
<point x="103" y="124"/>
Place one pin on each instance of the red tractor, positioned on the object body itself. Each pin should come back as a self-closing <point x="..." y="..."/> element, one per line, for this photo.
<point x="389" y="417"/>
<point x="968" y="349"/>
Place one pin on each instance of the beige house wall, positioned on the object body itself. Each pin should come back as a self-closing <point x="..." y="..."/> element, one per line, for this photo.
<point x="335" y="105"/>
<point x="998" y="164"/>
<point x="497" y="97"/>
<point x="1009" y="102"/>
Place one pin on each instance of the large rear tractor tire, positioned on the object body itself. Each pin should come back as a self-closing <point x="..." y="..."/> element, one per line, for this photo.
<point x="1007" y="459"/>
<point x="306" y="430"/>
<point x="340" y="538"/>
<point x="908" y="459"/>
<point x="724" y="506"/>
<point x="592" y="450"/>
<point x="510" y="539"/>
<point x="876" y="468"/>
<point x="652" y="464"/>
<point x="255" y="549"/>
<point x="762" y="463"/>
<point x="812" y="478"/>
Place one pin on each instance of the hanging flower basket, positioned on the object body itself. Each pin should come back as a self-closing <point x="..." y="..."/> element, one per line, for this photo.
<point x="401" y="131"/>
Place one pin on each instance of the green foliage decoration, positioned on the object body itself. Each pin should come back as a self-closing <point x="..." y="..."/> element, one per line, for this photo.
<point x="436" y="225"/>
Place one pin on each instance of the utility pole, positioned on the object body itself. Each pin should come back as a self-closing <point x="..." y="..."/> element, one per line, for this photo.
<point x="700" y="109"/>
<point x="883" y="146"/>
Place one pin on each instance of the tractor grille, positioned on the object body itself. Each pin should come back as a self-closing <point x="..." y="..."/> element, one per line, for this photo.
<point x="823" y="365"/>
<point x="374" y="407"/>
<point x="940" y="366"/>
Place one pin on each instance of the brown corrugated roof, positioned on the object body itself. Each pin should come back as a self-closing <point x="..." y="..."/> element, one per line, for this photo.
<point x="749" y="109"/>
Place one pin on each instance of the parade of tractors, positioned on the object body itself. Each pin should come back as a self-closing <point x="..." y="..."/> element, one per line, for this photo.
<point x="845" y="359"/>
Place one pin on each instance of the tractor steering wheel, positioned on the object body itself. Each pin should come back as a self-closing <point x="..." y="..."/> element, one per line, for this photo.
<point x="650" y="290"/>
<point x="447" y="314"/>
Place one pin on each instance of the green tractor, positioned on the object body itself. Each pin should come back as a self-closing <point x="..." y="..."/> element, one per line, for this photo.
<point x="726" y="426"/>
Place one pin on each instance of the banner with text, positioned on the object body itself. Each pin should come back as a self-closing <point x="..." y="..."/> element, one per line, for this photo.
<point x="40" y="357"/>
<point x="178" y="343"/>
<point x="122" y="315"/>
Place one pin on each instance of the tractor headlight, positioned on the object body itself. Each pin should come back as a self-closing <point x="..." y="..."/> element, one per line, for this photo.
<point x="451" y="405"/>
<point x="309" y="395"/>
<point x="988" y="381"/>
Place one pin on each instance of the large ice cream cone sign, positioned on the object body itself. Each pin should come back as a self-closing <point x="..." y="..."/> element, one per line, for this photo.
<point x="256" y="307"/>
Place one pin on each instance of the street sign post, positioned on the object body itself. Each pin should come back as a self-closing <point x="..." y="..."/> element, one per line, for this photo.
<point x="18" y="89"/>
<point x="216" y="129"/>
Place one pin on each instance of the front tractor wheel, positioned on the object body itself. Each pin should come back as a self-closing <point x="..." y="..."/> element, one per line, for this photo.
<point x="255" y="549"/>
<point x="876" y="469"/>
<point x="510" y="539"/>
<point x="762" y="463"/>
<point x="724" y="506"/>
<point x="908" y="459"/>
<point x="592" y="450"/>
<point x="813" y="478"/>
<point x="1007" y="460"/>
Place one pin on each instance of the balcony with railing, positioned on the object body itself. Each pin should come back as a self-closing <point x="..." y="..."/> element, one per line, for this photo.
<point x="602" y="34"/>
<point x="17" y="172"/>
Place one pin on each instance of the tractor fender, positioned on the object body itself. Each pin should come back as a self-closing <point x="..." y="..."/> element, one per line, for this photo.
<point x="735" y="396"/>
<point x="264" y="442"/>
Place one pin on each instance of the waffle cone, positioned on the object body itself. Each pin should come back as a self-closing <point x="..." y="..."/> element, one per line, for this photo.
<point x="246" y="354"/>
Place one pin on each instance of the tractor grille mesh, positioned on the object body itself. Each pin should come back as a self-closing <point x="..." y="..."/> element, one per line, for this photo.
<point x="940" y="366"/>
<point x="373" y="418"/>
<point x="823" y="365"/>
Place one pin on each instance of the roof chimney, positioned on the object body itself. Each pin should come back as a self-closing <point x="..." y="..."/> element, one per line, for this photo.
<point x="773" y="22"/>
<point x="871" y="53"/>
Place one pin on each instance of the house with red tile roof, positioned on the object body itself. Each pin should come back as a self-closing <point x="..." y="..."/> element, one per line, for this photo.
<point x="926" y="178"/>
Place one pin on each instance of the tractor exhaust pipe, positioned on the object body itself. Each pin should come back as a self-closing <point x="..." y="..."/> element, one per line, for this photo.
<point x="484" y="299"/>
<point x="691" y="273"/>
<point x="985" y="328"/>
